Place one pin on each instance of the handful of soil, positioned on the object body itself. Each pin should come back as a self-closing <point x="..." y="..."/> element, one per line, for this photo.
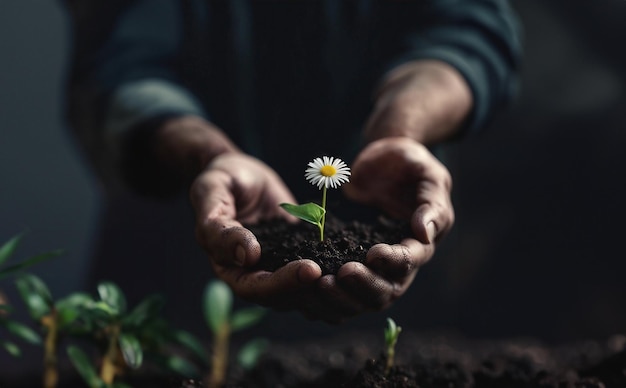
<point x="282" y="242"/>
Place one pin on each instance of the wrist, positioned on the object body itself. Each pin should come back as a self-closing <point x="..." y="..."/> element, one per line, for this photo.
<point x="425" y="100"/>
<point x="189" y="143"/>
<point x="165" y="154"/>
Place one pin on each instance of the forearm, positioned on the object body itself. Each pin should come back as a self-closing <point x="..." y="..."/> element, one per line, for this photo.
<point x="165" y="156"/>
<point x="426" y="100"/>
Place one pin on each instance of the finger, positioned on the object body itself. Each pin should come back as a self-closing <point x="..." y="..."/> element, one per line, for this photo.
<point x="273" y="193"/>
<point x="212" y="196"/>
<point x="228" y="243"/>
<point x="370" y="289"/>
<point x="273" y="289"/>
<point x="398" y="261"/>
<point x="434" y="215"/>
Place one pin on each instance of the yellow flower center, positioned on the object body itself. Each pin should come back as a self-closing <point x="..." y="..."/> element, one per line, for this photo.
<point x="328" y="170"/>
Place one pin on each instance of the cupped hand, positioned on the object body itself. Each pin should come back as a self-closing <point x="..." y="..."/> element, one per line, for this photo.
<point x="233" y="190"/>
<point x="401" y="177"/>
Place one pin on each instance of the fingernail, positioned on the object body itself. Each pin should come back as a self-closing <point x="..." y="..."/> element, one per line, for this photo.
<point x="431" y="230"/>
<point x="240" y="256"/>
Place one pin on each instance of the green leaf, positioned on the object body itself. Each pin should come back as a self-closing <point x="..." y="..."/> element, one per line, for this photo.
<point x="35" y="294"/>
<point x="244" y="318"/>
<point x="113" y="297"/>
<point x="67" y="315"/>
<point x="24" y="332"/>
<point x="8" y="248"/>
<point x="181" y="366"/>
<point x="217" y="304"/>
<point x="27" y="263"/>
<point x="101" y="310"/>
<point x="76" y="300"/>
<point x="250" y="353"/>
<point x="131" y="350"/>
<point x="11" y="348"/>
<point x="83" y="366"/>
<point x="148" y="309"/>
<point x="392" y="332"/>
<point x="309" y="212"/>
<point x="191" y="343"/>
<point x="69" y="309"/>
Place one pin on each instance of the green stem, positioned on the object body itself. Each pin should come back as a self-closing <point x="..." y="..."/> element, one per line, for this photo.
<point x="107" y="370"/>
<point x="219" y="364"/>
<point x="391" y="353"/>
<point x="50" y="374"/>
<point x="323" y="215"/>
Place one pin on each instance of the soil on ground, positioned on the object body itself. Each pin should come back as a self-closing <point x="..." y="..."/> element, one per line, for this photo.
<point x="440" y="361"/>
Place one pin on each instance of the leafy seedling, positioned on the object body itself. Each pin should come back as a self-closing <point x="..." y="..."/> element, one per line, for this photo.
<point x="109" y="318"/>
<point x="392" y="331"/>
<point x="222" y="321"/>
<point x="56" y="318"/>
<point x="131" y="336"/>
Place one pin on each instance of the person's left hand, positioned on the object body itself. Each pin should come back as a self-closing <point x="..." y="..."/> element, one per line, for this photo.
<point x="401" y="177"/>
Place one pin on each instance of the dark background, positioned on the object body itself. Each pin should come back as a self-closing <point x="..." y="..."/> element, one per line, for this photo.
<point x="537" y="249"/>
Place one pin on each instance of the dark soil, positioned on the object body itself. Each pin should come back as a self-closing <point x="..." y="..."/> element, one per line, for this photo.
<point x="440" y="361"/>
<point x="282" y="242"/>
<point x="355" y="360"/>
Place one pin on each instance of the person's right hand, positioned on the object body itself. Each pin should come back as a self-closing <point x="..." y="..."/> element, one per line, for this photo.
<point x="236" y="189"/>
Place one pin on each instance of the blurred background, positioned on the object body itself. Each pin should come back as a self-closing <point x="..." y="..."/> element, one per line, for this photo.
<point x="539" y="195"/>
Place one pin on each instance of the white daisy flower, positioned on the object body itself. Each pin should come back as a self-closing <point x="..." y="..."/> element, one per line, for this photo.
<point x="327" y="172"/>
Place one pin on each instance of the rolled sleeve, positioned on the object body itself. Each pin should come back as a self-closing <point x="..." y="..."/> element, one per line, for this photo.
<point x="141" y="100"/>
<point x="481" y="39"/>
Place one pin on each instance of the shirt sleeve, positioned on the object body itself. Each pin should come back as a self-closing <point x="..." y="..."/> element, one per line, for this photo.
<point x="481" y="39"/>
<point x="124" y="72"/>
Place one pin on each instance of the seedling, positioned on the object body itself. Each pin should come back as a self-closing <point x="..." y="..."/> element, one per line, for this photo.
<point x="222" y="321"/>
<point x="322" y="172"/>
<point x="19" y="330"/>
<point x="392" y="331"/>
<point x="56" y="319"/>
<point x="109" y="318"/>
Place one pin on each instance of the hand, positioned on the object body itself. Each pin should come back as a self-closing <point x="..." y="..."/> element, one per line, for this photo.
<point x="420" y="102"/>
<point x="235" y="189"/>
<point x="404" y="179"/>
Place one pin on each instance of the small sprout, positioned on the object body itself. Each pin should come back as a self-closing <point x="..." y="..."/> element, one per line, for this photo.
<point x="392" y="331"/>
<point x="217" y="308"/>
<point x="323" y="172"/>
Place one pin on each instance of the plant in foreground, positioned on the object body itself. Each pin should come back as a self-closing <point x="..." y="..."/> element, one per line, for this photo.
<point x="19" y="330"/>
<point x="323" y="172"/>
<point x="56" y="318"/>
<point x="217" y="308"/>
<point x="392" y="331"/>
<point x="123" y="334"/>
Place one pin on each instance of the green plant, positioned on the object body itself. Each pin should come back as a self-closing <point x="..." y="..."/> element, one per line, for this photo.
<point x="19" y="330"/>
<point x="56" y="318"/>
<point x="118" y="330"/>
<point x="392" y="331"/>
<point x="222" y="321"/>
<point x="322" y="172"/>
